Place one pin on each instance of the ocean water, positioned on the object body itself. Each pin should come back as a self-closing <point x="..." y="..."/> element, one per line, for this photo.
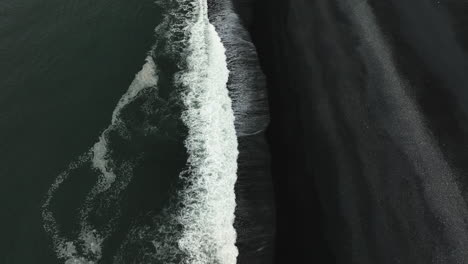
<point x="125" y="127"/>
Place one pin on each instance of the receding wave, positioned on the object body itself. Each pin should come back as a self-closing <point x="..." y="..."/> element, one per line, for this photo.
<point x="247" y="89"/>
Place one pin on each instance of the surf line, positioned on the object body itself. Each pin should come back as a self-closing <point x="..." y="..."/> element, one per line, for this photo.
<point x="207" y="214"/>
<point x="208" y="198"/>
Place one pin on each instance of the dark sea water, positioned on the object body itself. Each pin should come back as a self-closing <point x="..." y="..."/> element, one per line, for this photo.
<point x="64" y="65"/>
<point x="124" y="127"/>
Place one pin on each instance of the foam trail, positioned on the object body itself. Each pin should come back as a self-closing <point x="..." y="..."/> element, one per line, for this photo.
<point x="405" y="125"/>
<point x="98" y="156"/>
<point x="246" y="82"/>
<point x="143" y="79"/>
<point x="64" y="249"/>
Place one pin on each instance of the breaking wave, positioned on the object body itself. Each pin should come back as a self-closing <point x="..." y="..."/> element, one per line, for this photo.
<point x="196" y="224"/>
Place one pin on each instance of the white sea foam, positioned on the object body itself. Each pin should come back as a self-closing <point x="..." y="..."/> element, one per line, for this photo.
<point x="246" y="82"/>
<point x="199" y="227"/>
<point x="145" y="78"/>
<point x="207" y="216"/>
<point x="89" y="238"/>
<point x="64" y="249"/>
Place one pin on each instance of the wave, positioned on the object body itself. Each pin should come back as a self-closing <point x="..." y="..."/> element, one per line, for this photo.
<point x="207" y="216"/>
<point x="255" y="209"/>
<point x="197" y="225"/>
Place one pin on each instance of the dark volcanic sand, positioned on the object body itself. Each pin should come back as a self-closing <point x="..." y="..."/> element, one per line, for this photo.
<point x="369" y="128"/>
